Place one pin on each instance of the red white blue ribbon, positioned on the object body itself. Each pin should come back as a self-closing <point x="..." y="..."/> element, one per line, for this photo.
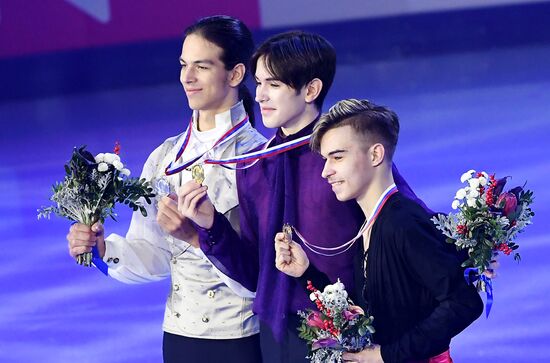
<point x="255" y="156"/>
<point x="334" y="251"/>
<point x="230" y="134"/>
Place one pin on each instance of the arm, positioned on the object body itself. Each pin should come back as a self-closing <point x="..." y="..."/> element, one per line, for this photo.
<point x="291" y="259"/>
<point x="440" y="272"/>
<point x="235" y="256"/>
<point x="144" y="254"/>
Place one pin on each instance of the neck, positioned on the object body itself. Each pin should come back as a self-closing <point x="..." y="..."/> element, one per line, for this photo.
<point x="305" y="118"/>
<point x="207" y="118"/>
<point x="379" y="184"/>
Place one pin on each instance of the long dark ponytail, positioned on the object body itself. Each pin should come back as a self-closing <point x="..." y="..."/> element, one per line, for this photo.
<point x="235" y="39"/>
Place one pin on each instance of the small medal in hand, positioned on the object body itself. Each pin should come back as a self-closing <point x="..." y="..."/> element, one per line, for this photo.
<point x="287" y="230"/>
<point x="197" y="173"/>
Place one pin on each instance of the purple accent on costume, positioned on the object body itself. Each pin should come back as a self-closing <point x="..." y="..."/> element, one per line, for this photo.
<point x="287" y="188"/>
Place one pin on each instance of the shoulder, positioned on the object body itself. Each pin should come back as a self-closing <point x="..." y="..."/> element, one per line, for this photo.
<point x="159" y="154"/>
<point x="403" y="216"/>
<point x="163" y="149"/>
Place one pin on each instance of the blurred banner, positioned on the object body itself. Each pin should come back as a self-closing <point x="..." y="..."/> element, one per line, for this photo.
<point x="38" y="26"/>
<point x="284" y="13"/>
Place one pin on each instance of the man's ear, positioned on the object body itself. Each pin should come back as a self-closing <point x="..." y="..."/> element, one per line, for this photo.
<point x="377" y="154"/>
<point x="313" y="89"/>
<point x="236" y="75"/>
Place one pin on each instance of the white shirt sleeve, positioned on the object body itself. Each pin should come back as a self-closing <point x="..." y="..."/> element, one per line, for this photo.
<point x="144" y="254"/>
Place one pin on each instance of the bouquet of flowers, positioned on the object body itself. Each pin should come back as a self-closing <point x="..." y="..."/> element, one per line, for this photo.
<point x="487" y="222"/>
<point x="336" y="326"/>
<point x="90" y="189"/>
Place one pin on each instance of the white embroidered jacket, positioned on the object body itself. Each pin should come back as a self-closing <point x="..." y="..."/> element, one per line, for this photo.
<point x="203" y="302"/>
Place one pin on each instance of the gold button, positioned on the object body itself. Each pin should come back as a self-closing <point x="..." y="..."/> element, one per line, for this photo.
<point x="205" y="319"/>
<point x="211" y="294"/>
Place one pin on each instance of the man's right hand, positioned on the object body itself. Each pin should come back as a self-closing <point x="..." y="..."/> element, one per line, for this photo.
<point x="174" y="223"/>
<point x="82" y="238"/>
<point x="290" y="257"/>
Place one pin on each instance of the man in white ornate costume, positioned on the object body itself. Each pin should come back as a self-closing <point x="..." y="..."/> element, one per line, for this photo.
<point x="208" y="316"/>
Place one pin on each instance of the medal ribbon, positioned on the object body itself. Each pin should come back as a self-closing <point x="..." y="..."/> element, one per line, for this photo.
<point x="391" y="190"/>
<point x="230" y="134"/>
<point x="254" y="156"/>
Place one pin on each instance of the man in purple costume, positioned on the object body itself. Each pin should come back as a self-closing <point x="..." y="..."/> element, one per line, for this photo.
<point x="293" y="72"/>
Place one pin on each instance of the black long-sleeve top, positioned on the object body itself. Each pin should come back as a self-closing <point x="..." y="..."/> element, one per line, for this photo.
<point x="413" y="285"/>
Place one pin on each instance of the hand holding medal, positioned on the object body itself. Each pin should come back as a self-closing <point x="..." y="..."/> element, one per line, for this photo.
<point x="287" y="230"/>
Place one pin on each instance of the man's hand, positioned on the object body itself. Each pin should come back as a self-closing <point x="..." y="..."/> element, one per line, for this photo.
<point x="370" y="354"/>
<point x="174" y="223"/>
<point x="290" y="258"/>
<point x="82" y="238"/>
<point x="194" y="204"/>
<point x="491" y="272"/>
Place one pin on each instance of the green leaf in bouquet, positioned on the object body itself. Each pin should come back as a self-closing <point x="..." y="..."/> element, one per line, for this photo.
<point x="307" y="332"/>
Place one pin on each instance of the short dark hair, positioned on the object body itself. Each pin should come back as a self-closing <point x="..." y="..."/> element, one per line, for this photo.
<point x="237" y="44"/>
<point x="378" y="124"/>
<point x="296" y="57"/>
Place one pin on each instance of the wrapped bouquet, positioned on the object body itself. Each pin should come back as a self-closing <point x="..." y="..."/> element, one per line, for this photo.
<point x="487" y="223"/>
<point x="336" y="326"/>
<point x="91" y="188"/>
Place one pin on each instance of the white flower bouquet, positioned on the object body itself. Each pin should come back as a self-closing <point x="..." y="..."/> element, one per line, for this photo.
<point x="91" y="188"/>
<point x="487" y="222"/>
<point x="336" y="326"/>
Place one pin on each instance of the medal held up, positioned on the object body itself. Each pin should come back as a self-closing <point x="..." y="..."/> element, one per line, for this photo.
<point x="197" y="173"/>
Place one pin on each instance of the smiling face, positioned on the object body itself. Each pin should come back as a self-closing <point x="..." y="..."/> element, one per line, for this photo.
<point x="203" y="75"/>
<point x="348" y="168"/>
<point x="280" y="104"/>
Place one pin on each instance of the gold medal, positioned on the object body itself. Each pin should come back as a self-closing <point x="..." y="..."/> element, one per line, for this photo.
<point x="197" y="173"/>
<point x="287" y="230"/>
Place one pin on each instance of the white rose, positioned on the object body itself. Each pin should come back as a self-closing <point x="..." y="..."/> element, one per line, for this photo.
<point x="339" y="286"/>
<point x="125" y="171"/>
<point x="460" y="194"/>
<point x="102" y="167"/>
<point x="118" y="165"/>
<point x="456" y="204"/>
<point x="482" y="181"/>
<point x="99" y="157"/>
<point x="471" y="202"/>
<point x="109" y="158"/>
<point x="467" y="175"/>
<point x="474" y="183"/>
<point x="473" y="194"/>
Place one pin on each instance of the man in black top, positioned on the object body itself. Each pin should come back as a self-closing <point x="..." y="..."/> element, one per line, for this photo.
<point x="413" y="286"/>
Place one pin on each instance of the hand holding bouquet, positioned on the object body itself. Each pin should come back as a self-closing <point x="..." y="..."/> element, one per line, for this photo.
<point x="336" y="326"/>
<point x="90" y="189"/>
<point x="487" y="222"/>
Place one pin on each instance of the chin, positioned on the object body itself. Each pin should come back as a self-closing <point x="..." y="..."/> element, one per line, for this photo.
<point x="343" y="197"/>
<point x="270" y="123"/>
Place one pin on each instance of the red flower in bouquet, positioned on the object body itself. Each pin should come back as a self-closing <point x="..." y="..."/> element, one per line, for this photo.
<point x="508" y="203"/>
<point x="337" y="325"/>
<point x="487" y="221"/>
